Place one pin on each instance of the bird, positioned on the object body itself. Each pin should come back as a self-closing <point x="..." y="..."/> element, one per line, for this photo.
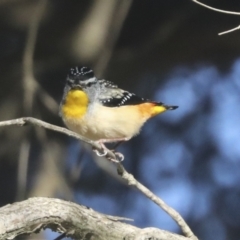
<point x="99" y="110"/>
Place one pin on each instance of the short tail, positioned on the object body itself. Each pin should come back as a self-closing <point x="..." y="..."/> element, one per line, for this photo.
<point x="159" y="107"/>
<point x="169" y="107"/>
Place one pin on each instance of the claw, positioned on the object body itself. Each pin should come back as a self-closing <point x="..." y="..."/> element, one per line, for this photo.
<point x="104" y="153"/>
<point x="104" y="150"/>
<point x="119" y="157"/>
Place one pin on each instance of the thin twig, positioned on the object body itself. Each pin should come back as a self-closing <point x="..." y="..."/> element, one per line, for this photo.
<point x="25" y="120"/>
<point x="121" y="171"/>
<point x="221" y="11"/>
<point x="216" y="9"/>
<point x="170" y="211"/>
<point x="231" y="30"/>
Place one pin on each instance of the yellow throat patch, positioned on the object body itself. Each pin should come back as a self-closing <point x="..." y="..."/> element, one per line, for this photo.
<point x="75" y="104"/>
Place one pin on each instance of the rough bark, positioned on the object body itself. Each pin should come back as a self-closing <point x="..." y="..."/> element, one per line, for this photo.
<point x="78" y="222"/>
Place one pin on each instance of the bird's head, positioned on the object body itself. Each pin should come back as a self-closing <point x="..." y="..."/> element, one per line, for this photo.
<point x="81" y="77"/>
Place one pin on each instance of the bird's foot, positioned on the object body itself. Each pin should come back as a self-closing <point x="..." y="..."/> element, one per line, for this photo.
<point x="119" y="157"/>
<point x="100" y="154"/>
<point x="104" y="150"/>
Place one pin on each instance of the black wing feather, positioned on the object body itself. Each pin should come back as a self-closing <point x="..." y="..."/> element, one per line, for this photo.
<point x="126" y="98"/>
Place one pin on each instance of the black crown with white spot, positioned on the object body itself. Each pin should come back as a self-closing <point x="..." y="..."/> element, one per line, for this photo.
<point x="80" y="73"/>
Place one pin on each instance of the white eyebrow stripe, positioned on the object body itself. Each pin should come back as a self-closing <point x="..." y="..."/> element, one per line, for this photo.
<point x="93" y="79"/>
<point x="86" y="72"/>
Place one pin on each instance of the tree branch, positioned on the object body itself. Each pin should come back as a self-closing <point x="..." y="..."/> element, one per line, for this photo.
<point x="36" y="122"/>
<point x="170" y="211"/>
<point x="230" y="30"/>
<point x="216" y="9"/>
<point x="76" y="221"/>
<point x="121" y="170"/>
<point x="221" y="11"/>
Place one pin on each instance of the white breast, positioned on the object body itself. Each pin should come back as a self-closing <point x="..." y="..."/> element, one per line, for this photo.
<point x="108" y="122"/>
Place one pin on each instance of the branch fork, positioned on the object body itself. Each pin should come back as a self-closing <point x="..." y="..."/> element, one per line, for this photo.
<point x="129" y="178"/>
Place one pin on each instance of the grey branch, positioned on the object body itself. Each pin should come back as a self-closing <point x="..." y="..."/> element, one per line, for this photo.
<point x="78" y="222"/>
<point x="121" y="170"/>
<point x="221" y="11"/>
<point x="230" y="30"/>
<point x="170" y="211"/>
<point x="216" y="9"/>
<point x="36" y="122"/>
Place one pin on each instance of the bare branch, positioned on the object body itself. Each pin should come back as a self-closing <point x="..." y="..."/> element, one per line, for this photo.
<point x="231" y="30"/>
<point x="216" y="9"/>
<point x="173" y="213"/>
<point x="25" y="120"/>
<point x="76" y="221"/>
<point x="222" y="11"/>
<point x="121" y="171"/>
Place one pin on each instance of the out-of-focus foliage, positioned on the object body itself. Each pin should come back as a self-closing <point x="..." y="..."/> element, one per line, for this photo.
<point x="164" y="50"/>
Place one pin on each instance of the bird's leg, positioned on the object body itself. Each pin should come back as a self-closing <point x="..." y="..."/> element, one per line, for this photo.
<point x="118" y="154"/>
<point x="105" y="149"/>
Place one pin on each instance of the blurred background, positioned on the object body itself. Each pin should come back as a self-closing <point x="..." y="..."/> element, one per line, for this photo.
<point x="168" y="51"/>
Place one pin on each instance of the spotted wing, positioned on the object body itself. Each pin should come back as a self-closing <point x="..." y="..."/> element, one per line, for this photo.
<point x="105" y="84"/>
<point x="112" y="96"/>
